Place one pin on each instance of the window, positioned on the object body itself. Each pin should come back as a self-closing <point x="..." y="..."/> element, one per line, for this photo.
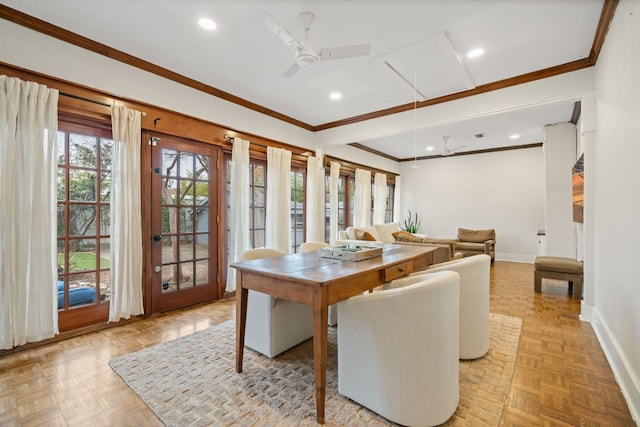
<point x="297" y="208"/>
<point x="257" y="207"/>
<point x="83" y="193"/>
<point x="342" y="179"/>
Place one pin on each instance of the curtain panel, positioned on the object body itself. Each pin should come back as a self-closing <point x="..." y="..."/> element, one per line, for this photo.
<point x="239" y="206"/>
<point x="379" y="198"/>
<point x="315" y="198"/>
<point x="278" y="218"/>
<point x="397" y="208"/>
<point x="362" y="207"/>
<point x="126" y="216"/>
<point x="334" y="202"/>
<point x="28" y="172"/>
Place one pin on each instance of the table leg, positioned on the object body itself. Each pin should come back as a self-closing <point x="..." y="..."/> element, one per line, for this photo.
<point x="320" y="317"/>
<point x="242" y="296"/>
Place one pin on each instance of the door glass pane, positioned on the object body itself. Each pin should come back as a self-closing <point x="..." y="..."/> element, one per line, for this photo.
<point x="202" y="246"/>
<point x="186" y="165"/>
<point x="169" y="220"/>
<point x="186" y="220"/>
<point x="186" y="251"/>
<point x="168" y="253"/>
<point x="169" y="191"/>
<point x="169" y="278"/>
<point x="169" y="162"/>
<point x="202" y="273"/>
<point x="202" y="220"/>
<point x="188" y="279"/>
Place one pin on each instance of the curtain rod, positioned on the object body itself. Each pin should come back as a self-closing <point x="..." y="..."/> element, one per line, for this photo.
<point x="230" y="139"/>
<point x="93" y="101"/>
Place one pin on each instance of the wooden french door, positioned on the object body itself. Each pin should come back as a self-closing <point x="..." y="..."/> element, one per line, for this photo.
<point x="184" y="223"/>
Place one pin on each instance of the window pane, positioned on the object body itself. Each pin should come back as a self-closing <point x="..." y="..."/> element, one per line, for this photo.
<point x="82" y="220"/>
<point x="105" y="186"/>
<point x="105" y="253"/>
<point x="83" y="150"/>
<point x="186" y="220"/>
<point x="186" y="251"/>
<point x="61" y="185"/>
<point x="169" y="191"/>
<point x="82" y="256"/>
<point x="106" y="153"/>
<point x="105" y="215"/>
<point x="61" y="220"/>
<point x="202" y="273"/>
<point x="60" y="148"/>
<point x="82" y="185"/>
<point x="202" y="220"/>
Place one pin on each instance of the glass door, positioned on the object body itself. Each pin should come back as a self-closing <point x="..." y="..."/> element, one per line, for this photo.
<point x="184" y="223"/>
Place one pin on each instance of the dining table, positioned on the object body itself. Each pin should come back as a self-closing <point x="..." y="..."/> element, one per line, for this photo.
<point x="319" y="281"/>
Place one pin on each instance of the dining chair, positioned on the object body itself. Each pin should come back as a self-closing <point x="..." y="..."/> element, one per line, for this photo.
<point x="274" y="325"/>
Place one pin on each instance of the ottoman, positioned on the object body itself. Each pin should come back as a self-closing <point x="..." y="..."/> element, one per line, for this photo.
<point x="559" y="268"/>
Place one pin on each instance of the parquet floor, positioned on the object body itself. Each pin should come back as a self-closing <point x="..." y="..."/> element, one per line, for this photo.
<point x="561" y="376"/>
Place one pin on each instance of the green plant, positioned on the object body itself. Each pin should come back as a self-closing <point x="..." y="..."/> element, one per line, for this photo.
<point x="411" y="223"/>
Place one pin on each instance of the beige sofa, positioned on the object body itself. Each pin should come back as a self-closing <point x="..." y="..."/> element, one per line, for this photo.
<point x="384" y="233"/>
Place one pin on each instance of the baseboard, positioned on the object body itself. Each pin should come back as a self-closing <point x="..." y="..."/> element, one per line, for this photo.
<point x="627" y="379"/>
<point x="502" y="256"/>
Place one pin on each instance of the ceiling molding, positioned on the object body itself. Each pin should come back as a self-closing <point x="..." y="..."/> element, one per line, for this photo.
<point x="38" y="25"/>
<point x="372" y="151"/>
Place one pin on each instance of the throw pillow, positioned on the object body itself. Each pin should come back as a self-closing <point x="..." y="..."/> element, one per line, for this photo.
<point x="364" y="235"/>
<point x="405" y="236"/>
<point x="385" y="231"/>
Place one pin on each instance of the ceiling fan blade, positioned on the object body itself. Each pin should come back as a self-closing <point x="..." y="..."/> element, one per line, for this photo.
<point x="343" y="52"/>
<point x="291" y="70"/>
<point x="280" y="32"/>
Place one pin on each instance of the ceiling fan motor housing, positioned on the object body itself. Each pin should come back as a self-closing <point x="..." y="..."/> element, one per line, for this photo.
<point x="306" y="56"/>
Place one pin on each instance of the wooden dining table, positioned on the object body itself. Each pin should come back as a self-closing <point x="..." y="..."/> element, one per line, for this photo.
<point x="310" y="279"/>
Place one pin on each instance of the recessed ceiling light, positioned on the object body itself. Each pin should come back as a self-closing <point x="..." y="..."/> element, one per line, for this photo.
<point x="207" y="24"/>
<point x="429" y="148"/>
<point x="514" y="136"/>
<point x="335" y="96"/>
<point x="475" y="53"/>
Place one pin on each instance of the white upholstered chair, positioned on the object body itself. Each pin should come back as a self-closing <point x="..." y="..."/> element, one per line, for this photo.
<point x="274" y="325"/>
<point x="474" y="302"/>
<point x="398" y="349"/>
<point x="332" y="318"/>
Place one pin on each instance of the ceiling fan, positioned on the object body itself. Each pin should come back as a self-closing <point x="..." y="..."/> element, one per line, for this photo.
<point x="449" y="151"/>
<point x="305" y="55"/>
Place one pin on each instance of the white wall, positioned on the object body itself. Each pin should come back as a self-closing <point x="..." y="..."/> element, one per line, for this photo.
<point x="502" y="190"/>
<point x="559" y="157"/>
<point x="616" y="202"/>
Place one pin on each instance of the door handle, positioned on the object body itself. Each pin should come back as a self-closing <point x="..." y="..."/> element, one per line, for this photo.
<point x="157" y="237"/>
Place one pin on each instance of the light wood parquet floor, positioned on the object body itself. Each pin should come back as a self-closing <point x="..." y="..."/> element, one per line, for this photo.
<point x="561" y="376"/>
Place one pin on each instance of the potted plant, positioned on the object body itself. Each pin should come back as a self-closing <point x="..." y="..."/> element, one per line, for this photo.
<point x="411" y="224"/>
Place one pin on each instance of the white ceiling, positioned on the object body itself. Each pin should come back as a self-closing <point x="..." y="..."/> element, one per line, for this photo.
<point x="426" y="41"/>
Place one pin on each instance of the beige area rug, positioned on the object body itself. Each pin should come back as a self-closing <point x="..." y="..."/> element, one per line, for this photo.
<point x="191" y="381"/>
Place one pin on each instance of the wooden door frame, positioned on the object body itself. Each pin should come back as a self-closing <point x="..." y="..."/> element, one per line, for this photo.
<point x="147" y="232"/>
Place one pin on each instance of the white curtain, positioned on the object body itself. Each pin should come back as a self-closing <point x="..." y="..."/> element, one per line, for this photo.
<point x="379" y="198"/>
<point x="397" y="212"/>
<point x="126" y="216"/>
<point x="362" y="208"/>
<point x="333" y="196"/>
<point x="315" y="198"/>
<point x="239" y="206"/>
<point x="278" y="221"/>
<point x="28" y="171"/>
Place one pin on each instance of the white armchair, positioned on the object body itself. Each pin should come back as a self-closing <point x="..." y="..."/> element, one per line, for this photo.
<point x="273" y="324"/>
<point x="474" y="302"/>
<point x="398" y="349"/>
<point x="332" y="318"/>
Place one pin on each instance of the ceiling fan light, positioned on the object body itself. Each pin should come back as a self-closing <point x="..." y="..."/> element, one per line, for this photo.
<point x="207" y="24"/>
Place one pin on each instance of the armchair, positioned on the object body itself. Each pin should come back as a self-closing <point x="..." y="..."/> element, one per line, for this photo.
<point x="274" y="325"/>
<point x="398" y="349"/>
<point x="473" y="242"/>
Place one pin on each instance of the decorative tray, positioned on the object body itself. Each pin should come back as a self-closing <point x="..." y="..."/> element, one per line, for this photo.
<point x="351" y="252"/>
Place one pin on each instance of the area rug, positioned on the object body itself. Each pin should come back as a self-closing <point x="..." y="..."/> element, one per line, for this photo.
<point x="191" y="381"/>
